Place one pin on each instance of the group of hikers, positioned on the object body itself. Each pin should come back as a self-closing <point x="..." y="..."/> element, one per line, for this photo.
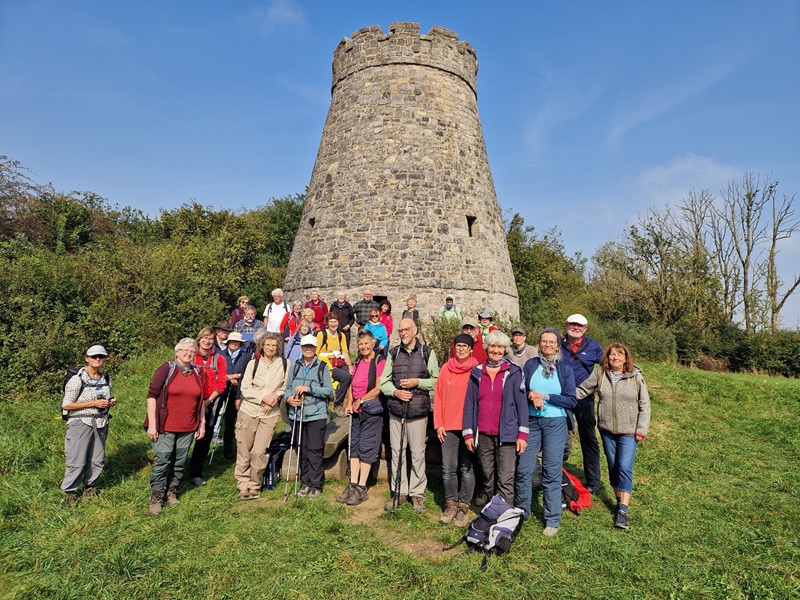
<point x="501" y="408"/>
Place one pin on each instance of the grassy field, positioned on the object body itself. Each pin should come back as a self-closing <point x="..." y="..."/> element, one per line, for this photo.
<point x="714" y="515"/>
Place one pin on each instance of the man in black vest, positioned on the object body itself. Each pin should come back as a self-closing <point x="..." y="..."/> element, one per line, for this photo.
<point x="408" y="378"/>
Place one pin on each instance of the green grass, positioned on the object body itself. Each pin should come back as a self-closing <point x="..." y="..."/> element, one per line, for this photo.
<point x="714" y="515"/>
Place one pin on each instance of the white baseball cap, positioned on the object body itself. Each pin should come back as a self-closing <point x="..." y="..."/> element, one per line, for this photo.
<point x="577" y="318"/>
<point x="96" y="350"/>
<point x="308" y="340"/>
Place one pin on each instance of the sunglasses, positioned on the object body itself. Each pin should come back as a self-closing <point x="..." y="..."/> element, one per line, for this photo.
<point x="97" y="357"/>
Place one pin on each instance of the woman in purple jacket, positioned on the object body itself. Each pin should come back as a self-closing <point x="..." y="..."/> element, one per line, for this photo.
<point x="496" y="417"/>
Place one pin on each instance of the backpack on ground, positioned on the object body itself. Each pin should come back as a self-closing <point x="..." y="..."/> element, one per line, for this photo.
<point x="494" y="529"/>
<point x="72" y="371"/>
<point x="574" y="496"/>
<point x="277" y="448"/>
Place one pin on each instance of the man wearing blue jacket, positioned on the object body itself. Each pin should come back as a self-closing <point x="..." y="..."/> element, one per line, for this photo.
<point x="583" y="354"/>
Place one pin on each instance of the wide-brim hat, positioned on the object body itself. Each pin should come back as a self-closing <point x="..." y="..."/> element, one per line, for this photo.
<point x="224" y="326"/>
<point x="235" y="336"/>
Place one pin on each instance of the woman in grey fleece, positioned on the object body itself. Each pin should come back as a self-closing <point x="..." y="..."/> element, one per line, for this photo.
<point x="623" y="417"/>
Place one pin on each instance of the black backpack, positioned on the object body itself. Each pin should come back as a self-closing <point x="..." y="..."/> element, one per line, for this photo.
<point x="72" y="371"/>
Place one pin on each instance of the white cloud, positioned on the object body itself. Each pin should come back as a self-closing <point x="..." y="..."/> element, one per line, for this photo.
<point x="278" y="14"/>
<point x="564" y="101"/>
<point x="668" y="183"/>
<point x="653" y="102"/>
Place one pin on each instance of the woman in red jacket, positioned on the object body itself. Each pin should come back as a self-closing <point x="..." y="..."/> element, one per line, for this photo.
<point x="448" y="417"/>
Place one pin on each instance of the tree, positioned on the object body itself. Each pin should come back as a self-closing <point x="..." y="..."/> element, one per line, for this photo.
<point x="550" y="283"/>
<point x="747" y="225"/>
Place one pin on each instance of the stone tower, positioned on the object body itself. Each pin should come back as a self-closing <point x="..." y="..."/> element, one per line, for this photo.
<point x="401" y="197"/>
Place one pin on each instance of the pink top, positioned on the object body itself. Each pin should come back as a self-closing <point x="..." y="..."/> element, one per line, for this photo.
<point x="388" y="322"/>
<point x="361" y="377"/>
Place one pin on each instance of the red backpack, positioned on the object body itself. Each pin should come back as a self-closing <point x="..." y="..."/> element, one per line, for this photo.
<point x="574" y="496"/>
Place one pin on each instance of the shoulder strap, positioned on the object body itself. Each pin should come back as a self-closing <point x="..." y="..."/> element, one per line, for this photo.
<point x="255" y="368"/>
<point x="321" y="366"/>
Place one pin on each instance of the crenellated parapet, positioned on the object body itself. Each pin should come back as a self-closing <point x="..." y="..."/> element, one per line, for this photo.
<point x="439" y="49"/>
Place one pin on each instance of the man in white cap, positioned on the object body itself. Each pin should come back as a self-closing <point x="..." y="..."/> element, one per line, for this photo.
<point x="583" y="354"/>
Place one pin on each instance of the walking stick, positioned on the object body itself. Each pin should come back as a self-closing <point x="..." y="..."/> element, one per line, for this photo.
<point x="217" y="424"/>
<point x="291" y="447"/>
<point x="299" y="442"/>
<point x="396" y="499"/>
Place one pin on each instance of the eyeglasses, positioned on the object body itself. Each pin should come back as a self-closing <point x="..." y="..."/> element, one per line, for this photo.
<point x="375" y="316"/>
<point x="98" y="357"/>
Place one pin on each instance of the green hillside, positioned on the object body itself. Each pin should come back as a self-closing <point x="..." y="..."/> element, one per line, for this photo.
<point x="714" y="515"/>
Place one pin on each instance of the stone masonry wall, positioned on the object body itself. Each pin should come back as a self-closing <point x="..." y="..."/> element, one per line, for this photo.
<point x="401" y="197"/>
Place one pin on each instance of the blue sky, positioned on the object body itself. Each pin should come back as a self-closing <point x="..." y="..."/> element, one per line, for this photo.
<point x="592" y="112"/>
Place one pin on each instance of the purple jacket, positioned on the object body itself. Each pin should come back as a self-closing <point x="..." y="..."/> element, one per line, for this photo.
<point x="513" y="423"/>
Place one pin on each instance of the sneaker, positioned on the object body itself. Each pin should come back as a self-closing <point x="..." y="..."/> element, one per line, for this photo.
<point x="419" y="503"/>
<point x="303" y="491"/>
<point x="346" y="494"/>
<point x="449" y="513"/>
<point x="198" y="481"/>
<point x="253" y="495"/>
<point x="621" y="520"/>
<point x="358" y="496"/>
<point x="156" y="502"/>
<point x="550" y="531"/>
<point x="462" y="515"/>
<point x="391" y="503"/>
<point x="313" y="493"/>
<point x="244" y="495"/>
<point x="71" y="498"/>
<point x="91" y="492"/>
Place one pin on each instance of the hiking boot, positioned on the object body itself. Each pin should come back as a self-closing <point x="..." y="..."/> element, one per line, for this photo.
<point x="172" y="495"/>
<point x="449" y="513"/>
<point x="303" y="491"/>
<point x="71" y="498"/>
<point x="346" y="494"/>
<point x="390" y="504"/>
<point x="338" y="409"/>
<point x="419" y="503"/>
<point x="358" y="496"/>
<point x="550" y="531"/>
<point x="156" y="502"/>
<point x="621" y="520"/>
<point x="253" y="495"/>
<point x="313" y="494"/>
<point x="198" y="481"/>
<point x="244" y="495"/>
<point x="90" y="492"/>
<point x="462" y="515"/>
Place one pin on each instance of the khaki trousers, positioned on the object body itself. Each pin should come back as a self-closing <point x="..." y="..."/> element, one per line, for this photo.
<point x="253" y="436"/>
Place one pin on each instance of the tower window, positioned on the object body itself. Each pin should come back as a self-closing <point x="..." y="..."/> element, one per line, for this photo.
<point x="312" y="221"/>
<point x="470" y="223"/>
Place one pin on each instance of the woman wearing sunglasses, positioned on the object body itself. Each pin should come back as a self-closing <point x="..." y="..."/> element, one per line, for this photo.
<point x="85" y="404"/>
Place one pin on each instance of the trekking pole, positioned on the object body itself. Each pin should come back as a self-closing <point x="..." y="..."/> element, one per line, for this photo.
<point x="299" y="442"/>
<point x="291" y="446"/>
<point x="217" y="424"/>
<point x="398" y="477"/>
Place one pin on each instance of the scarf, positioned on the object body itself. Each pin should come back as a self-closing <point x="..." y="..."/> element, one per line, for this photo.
<point x="548" y="367"/>
<point x="493" y="365"/>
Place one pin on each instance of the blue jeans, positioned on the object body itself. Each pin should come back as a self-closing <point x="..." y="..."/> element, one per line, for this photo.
<point x="620" y="451"/>
<point x="548" y="435"/>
